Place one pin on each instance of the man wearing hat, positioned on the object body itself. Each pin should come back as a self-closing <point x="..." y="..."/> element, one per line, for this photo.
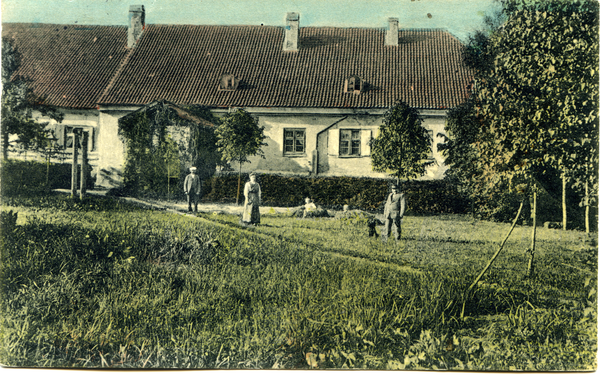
<point x="192" y="186"/>
<point x="393" y="213"/>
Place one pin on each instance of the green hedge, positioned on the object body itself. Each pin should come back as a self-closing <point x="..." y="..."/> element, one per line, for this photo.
<point x="423" y="197"/>
<point x="25" y="177"/>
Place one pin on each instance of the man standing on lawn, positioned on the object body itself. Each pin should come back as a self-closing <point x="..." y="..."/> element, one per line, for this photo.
<point x="393" y="213"/>
<point x="192" y="186"/>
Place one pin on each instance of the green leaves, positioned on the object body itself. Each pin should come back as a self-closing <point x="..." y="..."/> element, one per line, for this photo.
<point x="402" y="146"/>
<point x="535" y="107"/>
<point x="18" y="103"/>
<point x="239" y="136"/>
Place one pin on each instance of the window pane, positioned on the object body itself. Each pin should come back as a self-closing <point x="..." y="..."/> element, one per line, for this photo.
<point x="355" y="134"/>
<point x="344" y="147"/>
<point x="355" y="147"/>
<point x="344" y="134"/>
<point x="293" y="141"/>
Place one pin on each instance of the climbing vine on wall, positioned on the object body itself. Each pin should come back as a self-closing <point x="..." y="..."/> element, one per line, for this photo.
<point x="162" y="141"/>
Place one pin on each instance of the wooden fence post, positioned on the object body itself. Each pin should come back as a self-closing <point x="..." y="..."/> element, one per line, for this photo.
<point x="74" y="163"/>
<point x="84" y="163"/>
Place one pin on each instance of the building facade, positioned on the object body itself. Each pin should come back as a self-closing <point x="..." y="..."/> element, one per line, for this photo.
<point x="319" y="92"/>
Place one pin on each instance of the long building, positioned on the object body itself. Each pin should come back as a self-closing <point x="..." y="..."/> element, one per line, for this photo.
<point x="319" y="92"/>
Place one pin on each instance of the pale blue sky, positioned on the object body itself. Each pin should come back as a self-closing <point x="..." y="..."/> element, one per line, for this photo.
<point x="460" y="17"/>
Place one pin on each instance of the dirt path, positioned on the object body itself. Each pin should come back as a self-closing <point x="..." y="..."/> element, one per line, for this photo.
<point x="181" y="207"/>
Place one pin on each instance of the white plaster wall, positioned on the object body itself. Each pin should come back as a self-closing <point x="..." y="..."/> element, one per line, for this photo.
<point x="352" y="165"/>
<point x="276" y="162"/>
<point x="76" y="118"/>
<point x="108" y="158"/>
<point x="111" y="149"/>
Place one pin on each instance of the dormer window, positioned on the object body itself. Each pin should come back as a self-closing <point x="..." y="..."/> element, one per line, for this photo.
<point x="354" y="85"/>
<point x="228" y="82"/>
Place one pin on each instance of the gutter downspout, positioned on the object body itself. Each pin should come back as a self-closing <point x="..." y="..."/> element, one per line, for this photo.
<point x="316" y="156"/>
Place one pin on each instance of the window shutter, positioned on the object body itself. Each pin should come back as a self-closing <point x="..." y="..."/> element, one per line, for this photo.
<point x="334" y="142"/>
<point x="365" y="138"/>
<point x="93" y="139"/>
<point x="59" y="133"/>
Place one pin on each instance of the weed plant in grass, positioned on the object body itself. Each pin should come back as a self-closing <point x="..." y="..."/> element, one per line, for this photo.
<point x="100" y="283"/>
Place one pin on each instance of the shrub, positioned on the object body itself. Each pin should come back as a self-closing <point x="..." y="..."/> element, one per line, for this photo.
<point x="25" y="177"/>
<point x="368" y="194"/>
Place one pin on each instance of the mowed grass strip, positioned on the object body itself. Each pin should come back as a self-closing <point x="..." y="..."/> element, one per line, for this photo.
<point x="103" y="284"/>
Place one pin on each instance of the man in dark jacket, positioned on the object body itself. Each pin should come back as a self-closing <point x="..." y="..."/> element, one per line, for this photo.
<point x="393" y="213"/>
<point x="192" y="186"/>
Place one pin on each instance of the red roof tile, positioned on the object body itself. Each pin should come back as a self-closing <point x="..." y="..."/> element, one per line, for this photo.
<point x="69" y="65"/>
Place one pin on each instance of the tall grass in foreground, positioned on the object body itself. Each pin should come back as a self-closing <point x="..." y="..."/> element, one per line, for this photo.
<point x="103" y="284"/>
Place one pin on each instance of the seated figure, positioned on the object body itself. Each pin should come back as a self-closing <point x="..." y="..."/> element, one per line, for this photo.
<point x="309" y="206"/>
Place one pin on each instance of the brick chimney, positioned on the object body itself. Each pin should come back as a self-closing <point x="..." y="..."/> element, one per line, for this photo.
<point x="391" y="35"/>
<point x="136" y="25"/>
<point x="290" y="40"/>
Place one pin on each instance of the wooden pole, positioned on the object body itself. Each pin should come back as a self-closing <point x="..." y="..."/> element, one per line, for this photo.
<point x="532" y="247"/>
<point x="564" y="201"/>
<point x="514" y="223"/>
<point x="84" y="163"/>
<point x="47" y="170"/>
<point x="74" y="164"/>
<point x="587" y="209"/>
<point x="237" y="197"/>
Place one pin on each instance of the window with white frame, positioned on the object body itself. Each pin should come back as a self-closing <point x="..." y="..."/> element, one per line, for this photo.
<point x="64" y="136"/>
<point x="349" y="142"/>
<point x="294" y="141"/>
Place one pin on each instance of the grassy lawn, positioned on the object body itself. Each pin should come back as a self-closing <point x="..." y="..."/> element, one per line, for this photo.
<point x="104" y="284"/>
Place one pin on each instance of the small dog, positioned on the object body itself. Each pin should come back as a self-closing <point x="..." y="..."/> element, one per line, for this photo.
<point x="372" y="225"/>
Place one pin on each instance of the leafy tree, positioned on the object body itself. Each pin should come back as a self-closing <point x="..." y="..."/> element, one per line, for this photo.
<point x="239" y="136"/>
<point x="202" y="144"/>
<point x="18" y="103"/>
<point x="402" y="146"/>
<point x="537" y="108"/>
<point x="533" y="114"/>
<point x="164" y="139"/>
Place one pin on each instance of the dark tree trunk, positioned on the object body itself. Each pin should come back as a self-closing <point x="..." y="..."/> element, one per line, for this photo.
<point x="564" y="201"/>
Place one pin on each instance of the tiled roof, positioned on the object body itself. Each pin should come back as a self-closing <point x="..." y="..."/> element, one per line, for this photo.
<point x="69" y="65"/>
<point x="183" y="64"/>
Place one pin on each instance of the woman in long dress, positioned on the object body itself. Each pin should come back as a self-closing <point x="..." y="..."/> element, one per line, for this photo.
<point x="251" y="213"/>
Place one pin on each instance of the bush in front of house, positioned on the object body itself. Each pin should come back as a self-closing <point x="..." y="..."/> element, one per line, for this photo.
<point x="423" y="197"/>
<point x="21" y="177"/>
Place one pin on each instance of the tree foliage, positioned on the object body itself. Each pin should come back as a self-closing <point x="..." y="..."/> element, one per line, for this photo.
<point x="402" y="146"/>
<point x="534" y="110"/>
<point x="239" y="136"/>
<point x="162" y="142"/>
<point x="539" y="105"/>
<point x="18" y="103"/>
<point x="202" y="145"/>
